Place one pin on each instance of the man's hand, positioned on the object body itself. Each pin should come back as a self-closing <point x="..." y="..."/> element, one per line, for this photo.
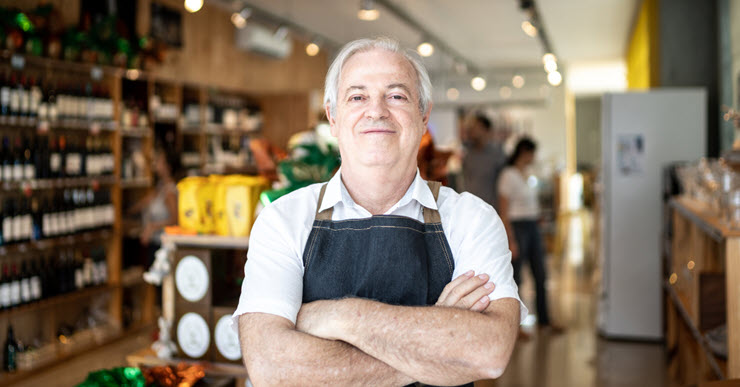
<point x="467" y="292"/>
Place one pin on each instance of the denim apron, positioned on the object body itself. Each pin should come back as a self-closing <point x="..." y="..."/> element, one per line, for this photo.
<point x="392" y="259"/>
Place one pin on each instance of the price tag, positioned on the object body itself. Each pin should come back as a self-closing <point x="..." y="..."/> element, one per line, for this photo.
<point x="17" y="62"/>
<point x="96" y="73"/>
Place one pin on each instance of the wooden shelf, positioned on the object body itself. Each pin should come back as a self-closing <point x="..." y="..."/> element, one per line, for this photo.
<point x="60" y="125"/>
<point x="61" y="299"/>
<point x="70" y="182"/>
<point x="9" y="379"/>
<point x="698" y="336"/>
<point x="208" y="241"/>
<point x="146" y="357"/>
<point x="50" y="243"/>
<point x="135" y="131"/>
<point x="139" y="182"/>
<point x="709" y="223"/>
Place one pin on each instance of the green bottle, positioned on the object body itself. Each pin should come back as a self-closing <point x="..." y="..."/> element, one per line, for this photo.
<point x="11" y="349"/>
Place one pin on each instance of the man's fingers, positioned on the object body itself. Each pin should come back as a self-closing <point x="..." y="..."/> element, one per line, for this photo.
<point x="472" y="300"/>
<point x="460" y="291"/>
<point x="481" y="304"/>
<point x="446" y="291"/>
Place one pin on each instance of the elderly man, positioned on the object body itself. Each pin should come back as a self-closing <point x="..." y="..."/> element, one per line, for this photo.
<point x="377" y="277"/>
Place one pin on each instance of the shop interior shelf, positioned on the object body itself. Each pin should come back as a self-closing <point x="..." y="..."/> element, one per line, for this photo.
<point x="135" y="131"/>
<point x="11" y="378"/>
<point x="50" y="243"/>
<point x="61" y="299"/>
<point x="137" y="182"/>
<point x="208" y="241"/>
<point x="70" y="182"/>
<point x="698" y="336"/>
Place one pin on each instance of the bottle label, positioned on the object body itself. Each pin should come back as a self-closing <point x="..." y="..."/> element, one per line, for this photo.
<point x="45" y="225"/>
<point x="35" y="100"/>
<point x="29" y="172"/>
<point x="27" y="226"/>
<point x="8" y="229"/>
<point x="73" y="164"/>
<point x="5" y="295"/>
<point x="78" y="279"/>
<point x="23" y="95"/>
<point x="18" y="172"/>
<point x="54" y="162"/>
<point x="17" y="226"/>
<point x="35" y="287"/>
<point x="5" y="97"/>
<point x="15" y="292"/>
<point x="8" y="172"/>
<point x="15" y="101"/>
<point x="53" y="224"/>
<point x="26" y="290"/>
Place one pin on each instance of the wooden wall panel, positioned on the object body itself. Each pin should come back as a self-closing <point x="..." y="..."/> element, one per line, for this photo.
<point x="284" y="115"/>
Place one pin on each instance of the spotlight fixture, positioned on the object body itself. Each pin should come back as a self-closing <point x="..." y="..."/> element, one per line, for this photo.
<point x="425" y="49"/>
<point x="239" y="19"/>
<point x="461" y="67"/>
<point x="312" y="49"/>
<point x="282" y="32"/>
<point x="367" y="11"/>
<point x="505" y="92"/>
<point x="478" y="83"/>
<point x="453" y="94"/>
<point x="554" y="78"/>
<point x="517" y="81"/>
<point x="551" y="66"/>
<point x="529" y="29"/>
<point x="193" y="6"/>
<point x="548" y="57"/>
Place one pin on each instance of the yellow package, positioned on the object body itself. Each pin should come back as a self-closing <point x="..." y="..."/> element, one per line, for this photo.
<point x="187" y="203"/>
<point x="237" y="199"/>
<point x="206" y="203"/>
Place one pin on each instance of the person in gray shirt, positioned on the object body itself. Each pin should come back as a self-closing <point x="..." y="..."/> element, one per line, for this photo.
<point x="483" y="160"/>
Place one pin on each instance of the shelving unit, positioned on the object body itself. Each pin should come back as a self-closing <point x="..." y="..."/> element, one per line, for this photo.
<point x="703" y="292"/>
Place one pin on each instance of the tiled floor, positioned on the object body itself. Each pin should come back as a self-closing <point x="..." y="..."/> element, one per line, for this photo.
<point x="576" y="358"/>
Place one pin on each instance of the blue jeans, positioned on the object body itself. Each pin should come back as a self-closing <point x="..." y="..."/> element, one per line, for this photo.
<point x="529" y="240"/>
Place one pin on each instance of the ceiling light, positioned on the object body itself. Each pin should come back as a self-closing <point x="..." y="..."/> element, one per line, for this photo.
<point x="478" y="83"/>
<point x="282" y="32"/>
<point x="518" y="81"/>
<point x="312" y="49"/>
<point x="554" y="78"/>
<point x="367" y="11"/>
<point x="239" y="19"/>
<point x="505" y="92"/>
<point x="549" y="57"/>
<point x="529" y="29"/>
<point x="551" y="66"/>
<point x="193" y="6"/>
<point x="453" y="94"/>
<point x="425" y="49"/>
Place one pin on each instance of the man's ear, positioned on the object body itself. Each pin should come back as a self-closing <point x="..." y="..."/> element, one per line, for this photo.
<point x="426" y="116"/>
<point x="332" y="120"/>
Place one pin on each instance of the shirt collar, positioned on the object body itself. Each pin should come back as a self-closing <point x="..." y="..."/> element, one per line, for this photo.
<point x="336" y="192"/>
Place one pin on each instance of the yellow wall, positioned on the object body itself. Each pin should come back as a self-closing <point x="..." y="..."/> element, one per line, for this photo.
<point x="642" y="54"/>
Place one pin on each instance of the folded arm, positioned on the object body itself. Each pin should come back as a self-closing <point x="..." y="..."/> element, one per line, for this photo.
<point x="276" y="354"/>
<point x="434" y="345"/>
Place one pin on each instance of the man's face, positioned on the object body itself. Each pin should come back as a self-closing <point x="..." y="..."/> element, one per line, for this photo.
<point x="377" y="120"/>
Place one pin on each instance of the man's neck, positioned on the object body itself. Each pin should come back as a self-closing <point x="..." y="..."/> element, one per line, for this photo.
<point x="377" y="189"/>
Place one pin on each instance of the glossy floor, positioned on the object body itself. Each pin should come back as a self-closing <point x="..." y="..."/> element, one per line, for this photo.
<point x="579" y="357"/>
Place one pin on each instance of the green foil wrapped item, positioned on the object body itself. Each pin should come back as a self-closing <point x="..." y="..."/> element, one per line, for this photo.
<point x="121" y="376"/>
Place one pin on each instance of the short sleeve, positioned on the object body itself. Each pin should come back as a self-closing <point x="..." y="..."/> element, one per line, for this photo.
<point x="273" y="273"/>
<point x="479" y="243"/>
<point x="505" y="184"/>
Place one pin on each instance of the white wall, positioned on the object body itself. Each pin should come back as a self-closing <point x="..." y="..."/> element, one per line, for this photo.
<point x="443" y="127"/>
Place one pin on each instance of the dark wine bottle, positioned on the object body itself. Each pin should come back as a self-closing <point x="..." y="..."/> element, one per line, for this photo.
<point x="10" y="351"/>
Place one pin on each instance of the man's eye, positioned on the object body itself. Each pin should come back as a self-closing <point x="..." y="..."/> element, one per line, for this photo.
<point x="355" y="98"/>
<point x="398" y="97"/>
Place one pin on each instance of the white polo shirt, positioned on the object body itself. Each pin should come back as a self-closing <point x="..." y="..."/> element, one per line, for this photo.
<point x="273" y="274"/>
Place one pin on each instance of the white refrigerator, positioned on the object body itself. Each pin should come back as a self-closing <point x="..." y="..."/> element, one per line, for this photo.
<point x="641" y="133"/>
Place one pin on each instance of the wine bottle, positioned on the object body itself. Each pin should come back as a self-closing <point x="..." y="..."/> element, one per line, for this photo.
<point x="26" y="220"/>
<point x="29" y="169"/>
<point x="5" y="99"/>
<point x="15" y="286"/>
<point x="5" y="288"/>
<point x="10" y="351"/>
<point x="25" y="275"/>
<point x="23" y="96"/>
<point x="37" y="220"/>
<point x="34" y="100"/>
<point x="55" y="158"/>
<point x="7" y="160"/>
<point x="18" y="160"/>
<point x="36" y="280"/>
<point x="7" y="222"/>
<point x="15" y="100"/>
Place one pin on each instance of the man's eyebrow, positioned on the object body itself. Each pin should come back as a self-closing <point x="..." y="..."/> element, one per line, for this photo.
<point x="399" y="86"/>
<point x="352" y="88"/>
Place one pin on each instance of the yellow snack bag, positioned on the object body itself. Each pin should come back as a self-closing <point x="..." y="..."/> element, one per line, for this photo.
<point x="187" y="203"/>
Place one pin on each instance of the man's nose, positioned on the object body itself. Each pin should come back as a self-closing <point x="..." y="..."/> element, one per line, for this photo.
<point x="377" y="109"/>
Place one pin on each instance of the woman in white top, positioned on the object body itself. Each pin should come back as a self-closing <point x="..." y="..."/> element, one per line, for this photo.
<point x="520" y="211"/>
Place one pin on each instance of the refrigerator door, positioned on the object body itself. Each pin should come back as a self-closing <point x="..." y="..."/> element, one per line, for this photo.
<point x="641" y="133"/>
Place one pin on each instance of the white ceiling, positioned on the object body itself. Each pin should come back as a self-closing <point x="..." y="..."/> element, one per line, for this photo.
<point x="488" y="33"/>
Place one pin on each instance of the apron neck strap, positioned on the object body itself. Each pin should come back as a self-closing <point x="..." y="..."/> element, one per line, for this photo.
<point x="327" y="213"/>
<point x="430" y="215"/>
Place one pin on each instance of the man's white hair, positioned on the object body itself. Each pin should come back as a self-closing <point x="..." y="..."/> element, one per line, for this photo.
<point x="331" y="85"/>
